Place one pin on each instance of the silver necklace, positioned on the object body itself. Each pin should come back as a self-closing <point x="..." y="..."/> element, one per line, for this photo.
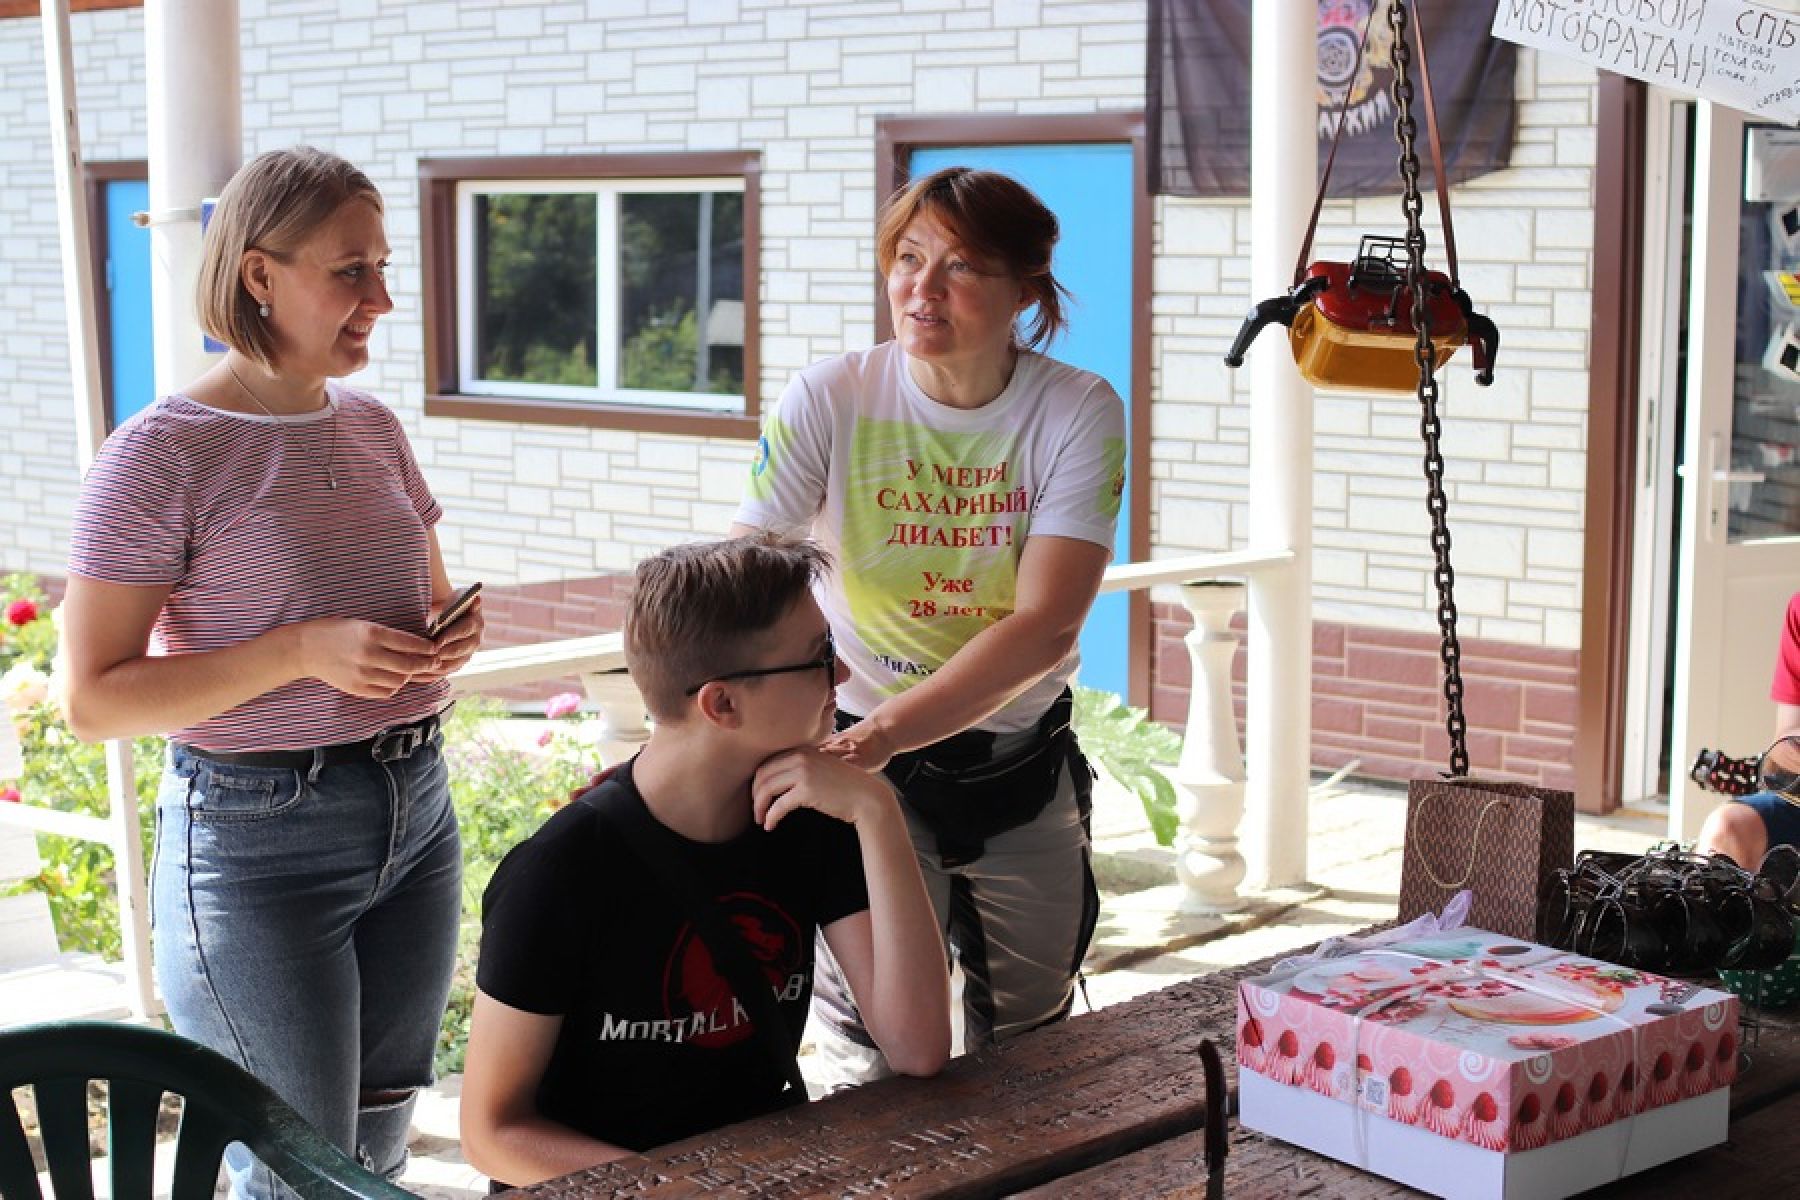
<point x="331" y="457"/>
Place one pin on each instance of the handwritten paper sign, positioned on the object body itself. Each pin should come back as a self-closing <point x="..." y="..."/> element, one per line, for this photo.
<point x="1736" y="52"/>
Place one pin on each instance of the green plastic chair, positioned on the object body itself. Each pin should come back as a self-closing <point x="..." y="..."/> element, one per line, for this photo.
<point x="222" y="1103"/>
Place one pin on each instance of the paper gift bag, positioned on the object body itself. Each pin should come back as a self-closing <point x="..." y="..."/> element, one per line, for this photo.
<point x="1499" y="840"/>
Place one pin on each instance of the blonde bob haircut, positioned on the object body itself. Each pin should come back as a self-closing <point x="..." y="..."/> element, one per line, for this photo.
<point x="997" y="221"/>
<point x="273" y="204"/>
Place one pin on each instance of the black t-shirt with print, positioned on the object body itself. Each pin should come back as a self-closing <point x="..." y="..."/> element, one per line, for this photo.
<point x="654" y="1046"/>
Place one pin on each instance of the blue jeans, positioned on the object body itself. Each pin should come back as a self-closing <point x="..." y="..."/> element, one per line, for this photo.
<point x="305" y="926"/>
<point x="1780" y="816"/>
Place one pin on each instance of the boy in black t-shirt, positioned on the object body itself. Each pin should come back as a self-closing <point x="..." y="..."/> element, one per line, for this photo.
<point x="602" y="1025"/>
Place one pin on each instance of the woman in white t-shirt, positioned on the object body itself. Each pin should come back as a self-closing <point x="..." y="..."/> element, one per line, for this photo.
<point x="272" y="529"/>
<point x="968" y="487"/>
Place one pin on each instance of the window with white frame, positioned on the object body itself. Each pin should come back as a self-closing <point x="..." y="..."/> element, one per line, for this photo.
<point x="620" y="290"/>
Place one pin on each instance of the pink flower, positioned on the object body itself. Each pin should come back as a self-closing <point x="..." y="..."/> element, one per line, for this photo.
<point x="545" y="737"/>
<point x="562" y="704"/>
<point x="9" y="795"/>
<point x="21" y="612"/>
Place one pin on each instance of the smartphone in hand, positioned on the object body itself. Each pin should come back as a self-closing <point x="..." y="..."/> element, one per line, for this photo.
<point x="453" y="610"/>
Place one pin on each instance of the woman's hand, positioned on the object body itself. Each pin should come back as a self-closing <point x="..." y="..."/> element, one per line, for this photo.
<point x="457" y="644"/>
<point x="595" y="780"/>
<point x="361" y="658"/>
<point x="865" y="744"/>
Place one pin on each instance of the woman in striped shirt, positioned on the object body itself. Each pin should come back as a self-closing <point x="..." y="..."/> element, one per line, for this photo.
<point x="270" y="530"/>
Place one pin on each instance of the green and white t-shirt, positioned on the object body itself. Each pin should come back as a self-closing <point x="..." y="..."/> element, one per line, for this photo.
<point x="926" y="508"/>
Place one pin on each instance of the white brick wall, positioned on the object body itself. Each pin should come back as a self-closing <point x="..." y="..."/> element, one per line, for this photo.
<point x="35" y="408"/>
<point x="1515" y="466"/>
<point x="803" y="84"/>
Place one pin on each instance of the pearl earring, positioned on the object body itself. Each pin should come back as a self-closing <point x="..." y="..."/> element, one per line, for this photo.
<point x="262" y="310"/>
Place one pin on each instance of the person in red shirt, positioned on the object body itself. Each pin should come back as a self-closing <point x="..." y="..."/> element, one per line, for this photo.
<point x="1745" y="828"/>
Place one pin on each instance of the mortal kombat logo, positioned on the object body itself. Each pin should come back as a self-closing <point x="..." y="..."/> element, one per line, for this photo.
<point x="695" y="993"/>
<point x="1341" y="25"/>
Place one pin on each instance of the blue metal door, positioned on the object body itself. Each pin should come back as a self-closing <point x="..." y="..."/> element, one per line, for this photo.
<point x="132" y="381"/>
<point x="1089" y="188"/>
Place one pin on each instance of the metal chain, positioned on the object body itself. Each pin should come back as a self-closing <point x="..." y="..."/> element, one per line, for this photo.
<point x="1412" y="205"/>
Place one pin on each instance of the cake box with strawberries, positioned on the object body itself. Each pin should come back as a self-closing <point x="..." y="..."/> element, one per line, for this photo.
<point x="1466" y="1063"/>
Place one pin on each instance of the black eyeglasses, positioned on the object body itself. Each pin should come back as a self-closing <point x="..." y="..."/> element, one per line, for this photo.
<point x="827" y="663"/>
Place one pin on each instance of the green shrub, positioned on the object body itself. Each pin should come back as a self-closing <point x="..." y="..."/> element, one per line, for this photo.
<point x="63" y="773"/>
<point x="502" y="793"/>
<point x="1129" y="745"/>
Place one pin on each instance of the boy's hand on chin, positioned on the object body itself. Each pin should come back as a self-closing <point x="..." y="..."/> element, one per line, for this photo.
<point x="808" y="777"/>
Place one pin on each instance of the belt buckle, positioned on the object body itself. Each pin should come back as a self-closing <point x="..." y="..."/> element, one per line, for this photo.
<point x="392" y="744"/>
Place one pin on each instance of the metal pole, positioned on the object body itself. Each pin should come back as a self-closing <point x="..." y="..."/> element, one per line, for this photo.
<point x="72" y="225"/>
<point x="1284" y="157"/>
<point x="703" y="295"/>
<point x="90" y="430"/>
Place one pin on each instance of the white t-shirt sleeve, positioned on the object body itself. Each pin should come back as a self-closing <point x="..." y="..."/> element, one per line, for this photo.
<point x="1082" y="489"/>
<point x="789" y="475"/>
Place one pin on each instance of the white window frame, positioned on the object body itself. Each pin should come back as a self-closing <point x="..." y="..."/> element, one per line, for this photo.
<point x="606" y="283"/>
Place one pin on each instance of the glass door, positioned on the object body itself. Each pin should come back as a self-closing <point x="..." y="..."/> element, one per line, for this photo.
<point x="1739" y="558"/>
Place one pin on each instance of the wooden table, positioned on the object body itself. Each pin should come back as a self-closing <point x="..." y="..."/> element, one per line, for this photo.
<point x="1108" y="1104"/>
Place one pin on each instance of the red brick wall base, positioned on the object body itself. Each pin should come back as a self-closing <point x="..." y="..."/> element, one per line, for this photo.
<point x="1378" y="700"/>
<point x="541" y="612"/>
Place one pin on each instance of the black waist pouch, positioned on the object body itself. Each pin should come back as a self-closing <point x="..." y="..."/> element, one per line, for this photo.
<point x="966" y="795"/>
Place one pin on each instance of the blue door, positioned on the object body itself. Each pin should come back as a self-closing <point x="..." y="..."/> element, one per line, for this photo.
<point x="131" y="383"/>
<point x="1089" y="188"/>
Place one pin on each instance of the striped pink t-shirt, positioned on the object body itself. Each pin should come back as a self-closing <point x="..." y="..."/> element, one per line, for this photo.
<point x="237" y="516"/>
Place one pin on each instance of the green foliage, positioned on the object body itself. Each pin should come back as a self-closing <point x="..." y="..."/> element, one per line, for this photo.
<point x="502" y="792"/>
<point x="660" y="356"/>
<point x="63" y="773"/>
<point x="34" y="641"/>
<point x="1129" y="745"/>
<point x="571" y="367"/>
<point x="537" y="263"/>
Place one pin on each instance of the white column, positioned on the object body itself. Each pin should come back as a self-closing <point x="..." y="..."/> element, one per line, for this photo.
<point x="90" y="429"/>
<point x="1283" y="177"/>
<point x="191" y="69"/>
<point x="1209" y="779"/>
<point x="196" y="143"/>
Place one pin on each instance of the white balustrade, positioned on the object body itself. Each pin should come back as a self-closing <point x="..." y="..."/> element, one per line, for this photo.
<point x="624" y="725"/>
<point x="1209" y="779"/>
